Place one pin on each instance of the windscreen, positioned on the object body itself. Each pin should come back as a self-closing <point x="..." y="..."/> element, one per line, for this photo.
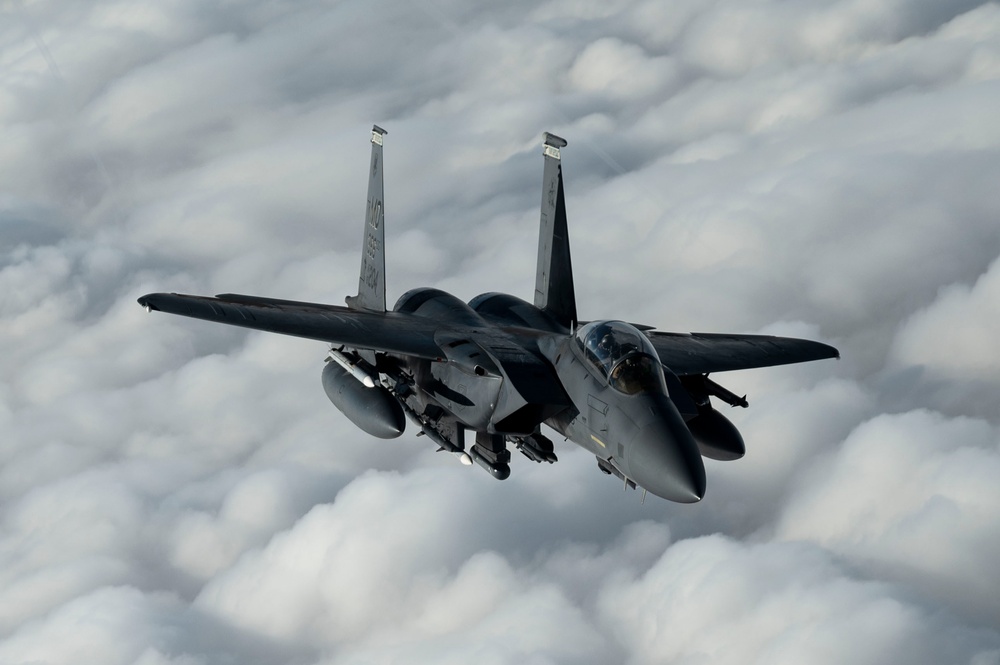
<point x="621" y="354"/>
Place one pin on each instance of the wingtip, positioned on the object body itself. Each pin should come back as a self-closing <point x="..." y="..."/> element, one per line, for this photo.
<point x="146" y="302"/>
<point x="821" y="350"/>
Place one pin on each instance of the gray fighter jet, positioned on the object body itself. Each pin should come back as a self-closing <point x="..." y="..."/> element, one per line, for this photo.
<point x="500" y="367"/>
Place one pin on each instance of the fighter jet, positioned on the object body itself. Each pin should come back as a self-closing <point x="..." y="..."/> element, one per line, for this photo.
<point x="498" y="367"/>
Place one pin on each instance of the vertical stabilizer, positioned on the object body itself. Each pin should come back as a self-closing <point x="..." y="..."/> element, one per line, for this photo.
<point x="371" y="283"/>
<point x="554" y="279"/>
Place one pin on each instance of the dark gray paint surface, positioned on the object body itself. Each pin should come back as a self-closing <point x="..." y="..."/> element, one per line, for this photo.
<point x="500" y="367"/>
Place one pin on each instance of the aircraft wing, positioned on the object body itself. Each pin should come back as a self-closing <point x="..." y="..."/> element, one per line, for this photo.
<point x="393" y="332"/>
<point x="703" y="353"/>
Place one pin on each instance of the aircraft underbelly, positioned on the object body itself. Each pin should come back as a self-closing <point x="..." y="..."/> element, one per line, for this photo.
<point x="471" y="399"/>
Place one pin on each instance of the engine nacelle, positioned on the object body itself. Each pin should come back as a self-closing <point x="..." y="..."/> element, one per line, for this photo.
<point x="374" y="410"/>
<point x="717" y="438"/>
<point x="439" y="305"/>
<point x="514" y="311"/>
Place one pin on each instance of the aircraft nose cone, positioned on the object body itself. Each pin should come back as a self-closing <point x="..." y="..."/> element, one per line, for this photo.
<point x="664" y="459"/>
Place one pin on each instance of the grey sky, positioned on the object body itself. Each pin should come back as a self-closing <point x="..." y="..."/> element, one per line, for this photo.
<point x="173" y="492"/>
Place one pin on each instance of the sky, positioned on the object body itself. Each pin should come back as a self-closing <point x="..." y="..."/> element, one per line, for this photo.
<point x="173" y="492"/>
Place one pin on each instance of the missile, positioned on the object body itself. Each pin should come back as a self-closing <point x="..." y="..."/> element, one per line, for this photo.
<point x="446" y="445"/>
<point x="499" y="470"/>
<point x="727" y="396"/>
<point x="354" y="368"/>
<point x="427" y="430"/>
<point x="536" y="447"/>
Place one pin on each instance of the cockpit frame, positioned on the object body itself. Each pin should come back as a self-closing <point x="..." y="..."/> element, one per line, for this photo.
<point x="622" y="356"/>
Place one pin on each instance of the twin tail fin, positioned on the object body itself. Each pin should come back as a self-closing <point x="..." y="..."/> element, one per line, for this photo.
<point x="554" y="293"/>
<point x="371" y="282"/>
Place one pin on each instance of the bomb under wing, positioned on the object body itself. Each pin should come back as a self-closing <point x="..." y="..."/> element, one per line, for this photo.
<point x="479" y="378"/>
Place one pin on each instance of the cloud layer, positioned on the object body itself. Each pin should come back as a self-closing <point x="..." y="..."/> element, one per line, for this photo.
<point x="175" y="493"/>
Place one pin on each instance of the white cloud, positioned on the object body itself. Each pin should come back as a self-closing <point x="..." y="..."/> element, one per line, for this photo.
<point x="712" y="599"/>
<point x="955" y="336"/>
<point x="619" y="69"/>
<point x="362" y="572"/>
<point x="908" y="495"/>
<point x="175" y="492"/>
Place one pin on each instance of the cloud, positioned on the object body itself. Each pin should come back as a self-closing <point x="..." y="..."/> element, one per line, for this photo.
<point x="944" y="353"/>
<point x="951" y="336"/>
<point x="906" y="495"/>
<point x="175" y="492"/>
<point x="715" y="599"/>
<point x="620" y="69"/>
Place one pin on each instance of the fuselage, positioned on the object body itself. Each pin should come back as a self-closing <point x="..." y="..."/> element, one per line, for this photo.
<point x="509" y="368"/>
<point x="499" y="367"/>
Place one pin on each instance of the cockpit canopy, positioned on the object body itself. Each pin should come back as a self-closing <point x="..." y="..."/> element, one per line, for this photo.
<point x="622" y="355"/>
